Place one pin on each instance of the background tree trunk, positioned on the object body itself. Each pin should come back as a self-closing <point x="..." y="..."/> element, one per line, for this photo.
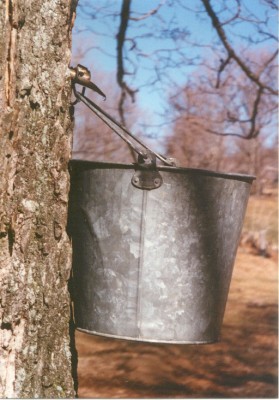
<point x="35" y="142"/>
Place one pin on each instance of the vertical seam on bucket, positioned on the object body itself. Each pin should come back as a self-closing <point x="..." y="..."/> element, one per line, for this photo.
<point x="141" y="261"/>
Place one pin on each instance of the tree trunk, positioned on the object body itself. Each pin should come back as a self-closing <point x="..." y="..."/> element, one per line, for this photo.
<point x="35" y="142"/>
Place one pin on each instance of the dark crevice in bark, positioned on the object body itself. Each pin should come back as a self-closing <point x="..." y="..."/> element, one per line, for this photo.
<point x="72" y="326"/>
<point x="6" y="325"/>
<point x="73" y="349"/>
<point x="34" y="105"/>
<point x="11" y="239"/>
<point x="10" y="11"/>
<point x="10" y="60"/>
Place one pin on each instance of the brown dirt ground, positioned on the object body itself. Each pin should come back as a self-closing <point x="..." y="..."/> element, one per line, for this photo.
<point x="242" y="365"/>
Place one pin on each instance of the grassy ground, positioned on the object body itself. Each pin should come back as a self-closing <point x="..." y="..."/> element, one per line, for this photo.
<point x="242" y="365"/>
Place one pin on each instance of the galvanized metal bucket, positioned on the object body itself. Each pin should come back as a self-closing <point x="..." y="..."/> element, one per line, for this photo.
<point x="154" y="265"/>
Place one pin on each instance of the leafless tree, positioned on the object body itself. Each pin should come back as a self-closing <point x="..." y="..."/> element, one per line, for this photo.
<point x="198" y="111"/>
<point x="241" y="29"/>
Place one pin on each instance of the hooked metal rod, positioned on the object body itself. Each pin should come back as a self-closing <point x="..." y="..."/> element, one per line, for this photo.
<point x="110" y="121"/>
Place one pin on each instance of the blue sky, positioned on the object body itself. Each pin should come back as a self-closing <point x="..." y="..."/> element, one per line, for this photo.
<point x="152" y="99"/>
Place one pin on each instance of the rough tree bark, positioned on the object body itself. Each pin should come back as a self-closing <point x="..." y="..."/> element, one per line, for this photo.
<point x="35" y="143"/>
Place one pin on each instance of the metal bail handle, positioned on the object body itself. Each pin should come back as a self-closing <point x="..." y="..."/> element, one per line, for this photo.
<point x="147" y="176"/>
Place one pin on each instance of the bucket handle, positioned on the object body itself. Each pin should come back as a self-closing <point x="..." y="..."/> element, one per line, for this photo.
<point x="147" y="157"/>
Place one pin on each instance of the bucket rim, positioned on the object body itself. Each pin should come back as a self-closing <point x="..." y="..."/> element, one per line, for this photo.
<point x="147" y="340"/>
<point x="86" y="164"/>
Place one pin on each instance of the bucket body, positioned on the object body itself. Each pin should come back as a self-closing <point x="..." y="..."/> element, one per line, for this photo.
<point x="154" y="265"/>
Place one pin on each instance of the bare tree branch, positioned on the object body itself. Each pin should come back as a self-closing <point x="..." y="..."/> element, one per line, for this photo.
<point x="231" y="53"/>
<point x="223" y="65"/>
<point x="149" y="13"/>
<point x="235" y="16"/>
<point x="125" y="89"/>
<point x="268" y="61"/>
